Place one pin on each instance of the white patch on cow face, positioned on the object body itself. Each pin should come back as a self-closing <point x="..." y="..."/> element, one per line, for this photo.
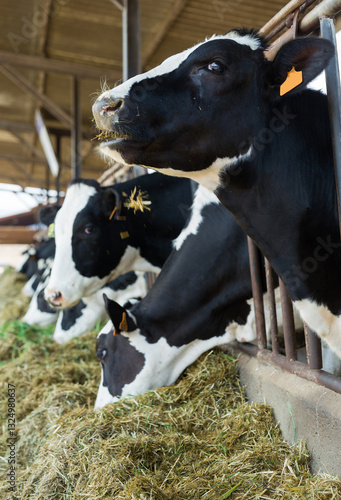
<point x="173" y="62"/>
<point x="103" y="396"/>
<point x="203" y="197"/>
<point x="64" y="276"/>
<point x="322" y="321"/>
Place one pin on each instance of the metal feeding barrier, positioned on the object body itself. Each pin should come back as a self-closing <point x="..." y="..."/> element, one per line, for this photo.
<point x="297" y="18"/>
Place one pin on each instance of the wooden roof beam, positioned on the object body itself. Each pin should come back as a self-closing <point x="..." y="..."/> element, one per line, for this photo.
<point x="55" y="66"/>
<point x="163" y="29"/>
<point x="45" y="101"/>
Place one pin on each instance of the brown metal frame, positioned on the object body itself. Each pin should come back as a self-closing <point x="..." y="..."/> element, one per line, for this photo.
<point x="288" y="17"/>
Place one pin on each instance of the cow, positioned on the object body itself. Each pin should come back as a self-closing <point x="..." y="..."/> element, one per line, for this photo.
<point x="224" y="115"/>
<point x="103" y="232"/>
<point x="40" y="256"/>
<point x="201" y="299"/>
<point x="84" y="316"/>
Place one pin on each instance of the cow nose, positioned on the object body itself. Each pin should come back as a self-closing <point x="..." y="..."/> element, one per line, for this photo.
<point x="106" y="109"/>
<point x="54" y="298"/>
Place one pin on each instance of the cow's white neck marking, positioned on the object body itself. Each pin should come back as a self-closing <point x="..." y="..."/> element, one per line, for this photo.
<point x="322" y="321"/>
<point x="174" y="61"/>
<point x="202" y="198"/>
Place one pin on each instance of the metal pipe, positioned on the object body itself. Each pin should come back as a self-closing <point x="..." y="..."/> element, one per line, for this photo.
<point x="288" y="323"/>
<point x="302" y="370"/>
<point x="131" y="34"/>
<point x="281" y="16"/>
<point x="269" y="273"/>
<point x="334" y="105"/>
<point x="76" y="134"/>
<point x="257" y="292"/>
<point x="313" y="348"/>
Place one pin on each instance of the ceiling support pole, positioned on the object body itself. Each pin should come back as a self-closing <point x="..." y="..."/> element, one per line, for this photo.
<point x="76" y="131"/>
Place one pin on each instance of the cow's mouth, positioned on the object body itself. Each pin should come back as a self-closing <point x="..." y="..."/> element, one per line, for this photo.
<point x="108" y="136"/>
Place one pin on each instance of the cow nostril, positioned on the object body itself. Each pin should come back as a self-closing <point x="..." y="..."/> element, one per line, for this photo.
<point x="113" y="107"/>
<point x="55" y="298"/>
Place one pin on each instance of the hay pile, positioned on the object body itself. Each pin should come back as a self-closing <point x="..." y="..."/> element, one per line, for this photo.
<point x="196" y="439"/>
<point x="13" y="304"/>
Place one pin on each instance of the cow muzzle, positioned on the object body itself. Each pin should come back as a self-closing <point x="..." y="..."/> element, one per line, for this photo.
<point x="54" y="298"/>
<point x="105" y="111"/>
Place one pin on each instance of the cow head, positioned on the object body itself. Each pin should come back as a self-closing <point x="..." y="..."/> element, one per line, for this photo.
<point x="199" y="110"/>
<point x="84" y="228"/>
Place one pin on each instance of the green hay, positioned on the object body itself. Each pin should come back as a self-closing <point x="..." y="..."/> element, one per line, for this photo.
<point x="198" y="439"/>
<point x="13" y="304"/>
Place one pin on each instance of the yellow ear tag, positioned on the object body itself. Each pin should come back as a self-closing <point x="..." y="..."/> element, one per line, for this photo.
<point x="293" y="79"/>
<point x="124" y="235"/>
<point x="124" y="325"/>
<point x="50" y="231"/>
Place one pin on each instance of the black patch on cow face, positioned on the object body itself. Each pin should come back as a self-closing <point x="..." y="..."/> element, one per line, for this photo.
<point x="120" y="361"/>
<point x="97" y="246"/>
<point x="70" y="315"/>
<point x="198" y="109"/>
<point x="43" y="305"/>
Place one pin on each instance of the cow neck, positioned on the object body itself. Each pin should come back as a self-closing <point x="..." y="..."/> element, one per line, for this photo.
<point x="203" y="286"/>
<point x="152" y="231"/>
<point x="290" y="208"/>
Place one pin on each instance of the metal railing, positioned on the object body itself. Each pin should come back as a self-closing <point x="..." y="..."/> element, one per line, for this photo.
<point x="294" y="20"/>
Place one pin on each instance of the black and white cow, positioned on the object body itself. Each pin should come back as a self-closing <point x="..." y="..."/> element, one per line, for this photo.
<point x="200" y="300"/>
<point x="39" y="258"/>
<point x="84" y="316"/>
<point x="102" y="233"/>
<point x="215" y="113"/>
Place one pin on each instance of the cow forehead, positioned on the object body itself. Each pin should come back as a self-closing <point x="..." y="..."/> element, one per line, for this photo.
<point x="174" y="61"/>
<point x="76" y="199"/>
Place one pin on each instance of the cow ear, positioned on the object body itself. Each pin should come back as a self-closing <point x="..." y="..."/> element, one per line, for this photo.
<point x="119" y="316"/>
<point x="308" y="57"/>
<point x="111" y="202"/>
<point x="47" y="214"/>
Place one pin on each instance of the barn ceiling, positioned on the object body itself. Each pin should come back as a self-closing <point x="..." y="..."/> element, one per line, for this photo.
<point x="46" y="43"/>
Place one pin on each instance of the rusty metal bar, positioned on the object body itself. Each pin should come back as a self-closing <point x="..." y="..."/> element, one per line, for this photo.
<point x="302" y="370"/>
<point x="288" y="323"/>
<point x="269" y="273"/>
<point x="334" y="105"/>
<point x="76" y="131"/>
<point x="309" y="23"/>
<point x="313" y="348"/>
<point x="280" y="17"/>
<point x="287" y="21"/>
<point x="257" y="292"/>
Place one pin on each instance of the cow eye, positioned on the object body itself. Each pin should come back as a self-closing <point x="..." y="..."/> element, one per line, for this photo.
<point x="215" y="67"/>
<point x="89" y="229"/>
<point x="101" y="353"/>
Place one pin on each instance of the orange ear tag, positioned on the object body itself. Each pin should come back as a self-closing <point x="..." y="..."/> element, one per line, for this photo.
<point x="115" y="334"/>
<point x="293" y="79"/>
<point x="124" y="325"/>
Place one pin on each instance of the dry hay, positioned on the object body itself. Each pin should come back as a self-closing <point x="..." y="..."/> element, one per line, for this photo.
<point x="13" y="304"/>
<point x="198" y="439"/>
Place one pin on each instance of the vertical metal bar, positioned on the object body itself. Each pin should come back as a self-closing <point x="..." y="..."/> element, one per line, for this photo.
<point x="47" y="182"/>
<point x="269" y="273"/>
<point x="313" y="347"/>
<point x="131" y="34"/>
<point x="334" y="103"/>
<point x="76" y="131"/>
<point x="288" y="323"/>
<point x="58" y="155"/>
<point x="257" y="292"/>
